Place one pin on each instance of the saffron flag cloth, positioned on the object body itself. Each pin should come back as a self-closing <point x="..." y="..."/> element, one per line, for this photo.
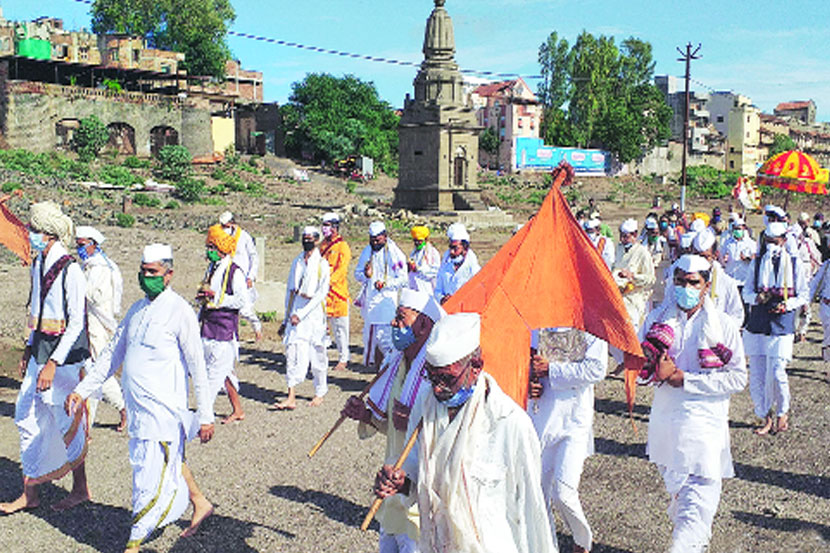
<point x="13" y="233"/>
<point x="547" y="275"/>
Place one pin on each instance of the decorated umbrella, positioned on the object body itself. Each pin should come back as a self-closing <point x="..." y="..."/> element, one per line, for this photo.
<point x="793" y="171"/>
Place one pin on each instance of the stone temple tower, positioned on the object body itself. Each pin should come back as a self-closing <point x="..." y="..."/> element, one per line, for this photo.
<point x="438" y="133"/>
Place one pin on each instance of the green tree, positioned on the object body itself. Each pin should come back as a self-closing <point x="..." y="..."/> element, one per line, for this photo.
<point x="594" y="77"/>
<point x="555" y="61"/>
<point x="489" y="141"/>
<point x="781" y="143"/>
<point x="90" y="137"/>
<point x="195" y="27"/>
<point x="331" y="117"/>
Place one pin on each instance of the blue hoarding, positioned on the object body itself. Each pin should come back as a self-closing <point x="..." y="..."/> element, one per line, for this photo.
<point x="532" y="153"/>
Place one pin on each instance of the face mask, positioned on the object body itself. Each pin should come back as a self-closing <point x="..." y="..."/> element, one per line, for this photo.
<point x="816" y="224"/>
<point x="737" y="233"/>
<point x="228" y="230"/>
<point x="774" y="249"/>
<point x="376" y="247"/>
<point x="421" y="246"/>
<point x="151" y="285"/>
<point x="402" y="338"/>
<point x="627" y="246"/>
<point x="213" y="256"/>
<point x="686" y="297"/>
<point x="459" y="398"/>
<point x="328" y="232"/>
<point x="82" y="253"/>
<point x="308" y="245"/>
<point x="663" y="225"/>
<point x="652" y="239"/>
<point x="457" y="259"/>
<point x="37" y="241"/>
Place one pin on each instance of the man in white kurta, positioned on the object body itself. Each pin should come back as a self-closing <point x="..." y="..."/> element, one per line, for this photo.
<point x="603" y="244"/>
<point x="688" y="432"/>
<point x="724" y="289"/>
<point x="776" y="289"/>
<point x="737" y="252"/>
<point x="52" y="443"/>
<point x="565" y="368"/>
<point x="104" y="286"/>
<point x="245" y="254"/>
<point x="224" y="297"/>
<point x="475" y="469"/>
<point x="389" y="403"/>
<point x="381" y="271"/>
<point x="424" y="261"/>
<point x="304" y="329"/>
<point x="158" y="346"/>
<point x="458" y="265"/>
<point x="633" y="270"/>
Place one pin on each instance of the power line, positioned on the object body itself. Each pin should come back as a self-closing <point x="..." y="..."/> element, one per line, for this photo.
<point x="361" y="57"/>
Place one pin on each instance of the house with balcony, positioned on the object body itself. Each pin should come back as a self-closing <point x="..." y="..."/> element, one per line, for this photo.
<point x="804" y="111"/>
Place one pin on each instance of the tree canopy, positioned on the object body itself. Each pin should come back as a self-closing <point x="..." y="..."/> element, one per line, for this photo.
<point x="330" y="117"/>
<point x="598" y="95"/>
<point x="195" y="27"/>
<point x="781" y="143"/>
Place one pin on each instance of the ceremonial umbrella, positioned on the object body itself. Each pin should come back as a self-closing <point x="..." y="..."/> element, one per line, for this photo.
<point x="548" y="274"/>
<point x="794" y="171"/>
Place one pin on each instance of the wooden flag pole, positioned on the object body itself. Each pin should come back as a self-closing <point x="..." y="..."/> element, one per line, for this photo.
<point x="342" y="418"/>
<point x="398" y="464"/>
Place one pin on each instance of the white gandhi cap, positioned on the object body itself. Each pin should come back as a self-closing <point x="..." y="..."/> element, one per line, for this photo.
<point x="376" y="227"/>
<point x="311" y="231"/>
<point x="457" y="231"/>
<point x="331" y="217"/>
<point x="422" y="302"/>
<point x="690" y="263"/>
<point x="91" y="233"/>
<point x="628" y="226"/>
<point x="225" y="218"/>
<point x="452" y="338"/>
<point x="156" y="252"/>
<point x="704" y="240"/>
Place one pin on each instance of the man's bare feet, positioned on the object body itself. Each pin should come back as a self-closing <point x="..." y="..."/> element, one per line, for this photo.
<point x="234" y="417"/>
<point x="783" y="423"/>
<point x="71" y="500"/>
<point x="285" y="405"/>
<point x="131" y="550"/>
<point x="341" y="366"/>
<point x="202" y="508"/>
<point x="580" y="549"/>
<point x="316" y="402"/>
<point x="18" y="504"/>
<point x="765" y="428"/>
<point x="123" y="424"/>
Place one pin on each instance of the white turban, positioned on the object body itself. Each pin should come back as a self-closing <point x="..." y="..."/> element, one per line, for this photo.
<point x="687" y="239"/>
<point x="156" y="252"/>
<point x="225" y="218"/>
<point x="376" y="227"/>
<point x="457" y="231"/>
<point x="690" y="263"/>
<point x="47" y="217"/>
<point x="91" y="233"/>
<point x="704" y="240"/>
<point x="697" y="225"/>
<point x="311" y="231"/>
<point x="452" y="338"/>
<point x="331" y="217"/>
<point x="422" y="302"/>
<point x="629" y="226"/>
<point x="778" y="228"/>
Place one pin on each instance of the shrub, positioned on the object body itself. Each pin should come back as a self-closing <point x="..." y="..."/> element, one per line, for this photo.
<point x="234" y="183"/>
<point x="255" y="189"/>
<point x="189" y="189"/>
<point x="252" y="161"/>
<point x="231" y="156"/>
<point x="174" y="162"/>
<point x="146" y="200"/>
<point x="172" y="204"/>
<point x="219" y="174"/>
<point x="136" y="163"/>
<point x="124" y="220"/>
<point x="708" y="182"/>
<point x="75" y="170"/>
<point x="10" y="187"/>
<point x="118" y="176"/>
<point x="90" y="137"/>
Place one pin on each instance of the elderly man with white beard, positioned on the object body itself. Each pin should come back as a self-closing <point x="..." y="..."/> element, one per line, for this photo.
<point x="697" y="355"/>
<point x="458" y="265"/>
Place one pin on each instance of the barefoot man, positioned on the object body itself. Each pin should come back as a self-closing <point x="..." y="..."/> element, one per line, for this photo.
<point x="158" y="346"/>
<point x="52" y="444"/>
<point x="224" y="296"/>
<point x="337" y="253"/>
<point x="304" y="328"/>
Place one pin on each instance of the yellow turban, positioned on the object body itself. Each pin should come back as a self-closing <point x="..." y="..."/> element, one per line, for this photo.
<point x="420" y="233"/>
<point x="223" y="241"/>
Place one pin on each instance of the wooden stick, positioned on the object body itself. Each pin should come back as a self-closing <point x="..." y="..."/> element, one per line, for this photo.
<point x="342" y="418"/>
<point x="398" y="464"/>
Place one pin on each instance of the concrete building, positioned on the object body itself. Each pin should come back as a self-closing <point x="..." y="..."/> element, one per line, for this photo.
<point x="719" y="105"/>
<point x="511" y="109"/>
<point x="743" y="141"/>
<point x="804" y="111"/>
<point x="699" y="116"/>
<point x="438" y="133"/>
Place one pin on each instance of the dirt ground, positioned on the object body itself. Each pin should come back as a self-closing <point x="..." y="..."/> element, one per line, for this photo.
<point x="270" y="497"/>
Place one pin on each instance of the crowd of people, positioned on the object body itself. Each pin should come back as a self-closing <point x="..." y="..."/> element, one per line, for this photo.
<point x="465" y="467"/>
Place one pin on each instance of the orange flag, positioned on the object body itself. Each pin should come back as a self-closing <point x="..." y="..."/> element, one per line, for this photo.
<point x="13" y="233"/>
<point x="548" y="274"/>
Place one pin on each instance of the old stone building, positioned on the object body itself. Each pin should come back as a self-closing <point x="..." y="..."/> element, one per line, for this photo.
<point x="438" y="132"/>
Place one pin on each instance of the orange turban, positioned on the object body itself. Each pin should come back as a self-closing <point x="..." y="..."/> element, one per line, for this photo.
<point x="419" y="233"/>
<point x="224" y="242"/>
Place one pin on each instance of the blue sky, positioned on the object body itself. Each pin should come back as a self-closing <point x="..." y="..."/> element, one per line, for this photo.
<point x="759" y="48"/>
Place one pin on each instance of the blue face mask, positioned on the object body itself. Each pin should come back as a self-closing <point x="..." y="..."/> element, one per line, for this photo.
<point x="402" y="338"/>
<point x="686" y="297"/>
<point x="459" y="398"/>
<point x="84" y="255"/>
<point x="37" y="241"/>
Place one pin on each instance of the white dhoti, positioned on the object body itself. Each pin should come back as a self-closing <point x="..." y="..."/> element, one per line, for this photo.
<point x="51" y="442"/>
<point x="397" y="543"/>
<point x="376" y="337"/>
<point x="299" y="354"/>
<point x="160" y="494"/>
<point x="340" y="333"/>
<point x="562" y="464"/>
<point x="111" y="393"/>
<point x="694" y="502"/>
<point x="220" y="356"/>
<point x="768" y="383"/>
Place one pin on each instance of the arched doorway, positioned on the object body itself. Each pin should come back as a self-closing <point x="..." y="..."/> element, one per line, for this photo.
<point x="64" y="131"/>
<point x="162" y="136"/>
<point x="459" y="169"/>
<point x="122" y="138"/>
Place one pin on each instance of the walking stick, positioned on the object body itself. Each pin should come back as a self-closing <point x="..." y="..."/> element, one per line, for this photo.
<point x="404" y="454"/>
<point x="337" y="424"/>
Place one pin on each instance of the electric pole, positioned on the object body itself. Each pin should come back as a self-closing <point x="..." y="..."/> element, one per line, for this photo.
<point x="688" y="56"/>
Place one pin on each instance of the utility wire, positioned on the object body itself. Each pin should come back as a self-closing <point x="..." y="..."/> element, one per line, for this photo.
<point x="362" y="57"/>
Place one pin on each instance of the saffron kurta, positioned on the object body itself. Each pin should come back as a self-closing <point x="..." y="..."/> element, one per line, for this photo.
<point x="338" y="255"/>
